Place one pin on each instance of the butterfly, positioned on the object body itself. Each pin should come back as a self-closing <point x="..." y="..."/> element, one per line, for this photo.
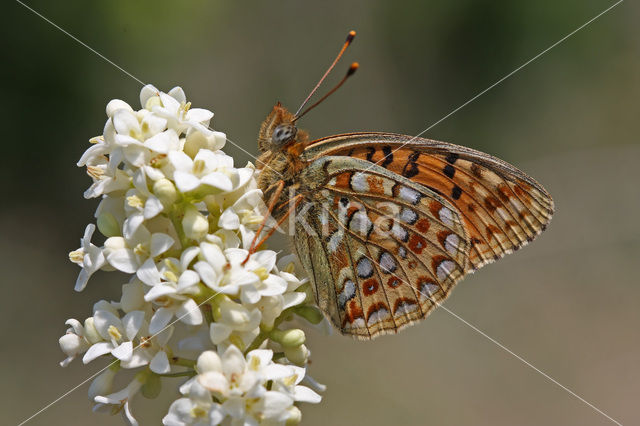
<point x="387" y="224"/>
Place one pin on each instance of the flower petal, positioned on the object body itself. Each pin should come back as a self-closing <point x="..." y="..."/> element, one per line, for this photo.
<point x="123" y="260"/>
<point x="185" y="181"/>
<point x="233" y="361"/>
<point x="305" y="394"/>
<point x="159" y="320"/>
<point x="219" y="332"/>
<point x="207" y="274"/>
<point x="214" y="382"/>
<point x="158" y="291"/>
<point x="152" y="207"/>
<point x="181" y="161"/>
<point x="97" y="350"/>
<point x="214" y="256"/>
<point x="160" y="243"/>
<point x="132" y="323"/>
<point x="217" y="180"/>
<point x="124" y="351"/>
<point x="187" y="279"/>
<point x="160" y="363"/>
<point x="189" y="313"/>
<point x="148" y="273"/>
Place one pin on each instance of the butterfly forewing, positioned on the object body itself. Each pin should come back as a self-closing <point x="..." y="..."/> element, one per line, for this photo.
<point x="386" y="249"/>
<point x="501" y="207"/>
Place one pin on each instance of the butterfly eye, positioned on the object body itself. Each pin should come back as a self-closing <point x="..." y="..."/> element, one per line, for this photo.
<point x="283" y="133"/>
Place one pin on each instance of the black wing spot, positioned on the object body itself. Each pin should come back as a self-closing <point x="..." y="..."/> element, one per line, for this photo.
<point x="452" y="157"/>
<point x="388" y="156"/>
<point x="411" y="168"/>
<point x="456" y="192"/>
<point x="449" y="171"/>
<point x="371" y="153"/>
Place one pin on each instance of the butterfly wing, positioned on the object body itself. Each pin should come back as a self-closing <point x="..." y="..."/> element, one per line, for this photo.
<point x="501" y="207"/>
<point x="382" y="251"/>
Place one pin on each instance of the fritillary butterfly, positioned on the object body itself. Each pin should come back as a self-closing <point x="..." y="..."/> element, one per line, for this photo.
<point x="387" y="224"/>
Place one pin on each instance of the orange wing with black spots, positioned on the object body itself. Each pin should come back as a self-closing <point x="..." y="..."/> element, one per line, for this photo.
<point x="501" y="207"/>
<point x="382" y="250"/>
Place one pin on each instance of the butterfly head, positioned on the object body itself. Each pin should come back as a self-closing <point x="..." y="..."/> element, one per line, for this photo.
<point x="278" y="131"/>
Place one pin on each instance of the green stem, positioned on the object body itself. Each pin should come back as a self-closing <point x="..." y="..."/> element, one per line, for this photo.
<point x="208" y="314"/>
<point x="176" y="215"/>
<point x="257" y="341"/>
<point x="188" y="373"/>
<point x="264" y="334"/>
<point x="183" y="362"/>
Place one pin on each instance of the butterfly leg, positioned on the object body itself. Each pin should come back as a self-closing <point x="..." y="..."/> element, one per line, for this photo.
<point x="279" y="186"/>
<point x="294" y="202"/>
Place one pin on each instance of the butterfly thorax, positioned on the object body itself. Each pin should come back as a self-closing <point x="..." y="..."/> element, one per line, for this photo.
<point x="281" y="144"/>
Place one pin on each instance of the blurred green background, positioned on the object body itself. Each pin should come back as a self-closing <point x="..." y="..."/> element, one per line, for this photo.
<point x="568" y="303"/>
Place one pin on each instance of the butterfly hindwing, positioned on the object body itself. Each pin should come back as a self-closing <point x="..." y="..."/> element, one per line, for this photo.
<point x="383" y="250"/>
<point x="502" y="208"/>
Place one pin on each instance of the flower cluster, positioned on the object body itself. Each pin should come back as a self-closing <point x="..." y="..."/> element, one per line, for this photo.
<point x="178" y="217"/>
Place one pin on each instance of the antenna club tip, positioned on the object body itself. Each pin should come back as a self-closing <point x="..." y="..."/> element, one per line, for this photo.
<point x="353" y="68"/>
<point x="350" y="36"/>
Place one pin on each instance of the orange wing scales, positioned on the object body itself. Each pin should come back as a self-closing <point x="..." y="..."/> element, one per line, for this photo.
<point x="500" y="215"/>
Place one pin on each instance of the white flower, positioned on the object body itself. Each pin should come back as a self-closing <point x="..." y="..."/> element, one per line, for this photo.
<point x="232" y="317"/>
<point x="105" y="182"/>
<point x="89" y="256"/>
<point x="117" y="334"/>
<point x="255" y="277"/>
<point x="239" y="384"/>
<point x="290" y="385"/>
<point x="178" y="217"/>
<point x="202" y="170"/>
<point x="178" y="113"/>
<point x="74" y="342"/>
<point x="121" y="399"/>
<point x="140" y="199"/>
<point x="246" y="211"/>
<point x="153" y="350"/>
<point x="198" y="409"/>
<point x="129" y="252"/>
<point x="171" y="289"/>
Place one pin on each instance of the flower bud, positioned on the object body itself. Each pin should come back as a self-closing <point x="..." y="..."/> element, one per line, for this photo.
<point x="108" y="225"/>
<point x="294" y="416"/>
<point x="216" y="141"/>
<point x="165" y="191"/>
<point x="194" y="143"/>
<point x="115" y="105"/>
<point x="90" y="331"/>
<point x="298" y="355"/>
<point x="310" y="313"/>
<point x="71" y="344"/>
<point x="151" y="102"/>
<point x="209" y="361"/>
<point x="194" y="224"/>
<point x="288" y="338"/>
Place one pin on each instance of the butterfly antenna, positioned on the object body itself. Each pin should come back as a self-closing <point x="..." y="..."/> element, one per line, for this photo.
<point x="352" y="69"/>
<point x="346" y="44"/>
